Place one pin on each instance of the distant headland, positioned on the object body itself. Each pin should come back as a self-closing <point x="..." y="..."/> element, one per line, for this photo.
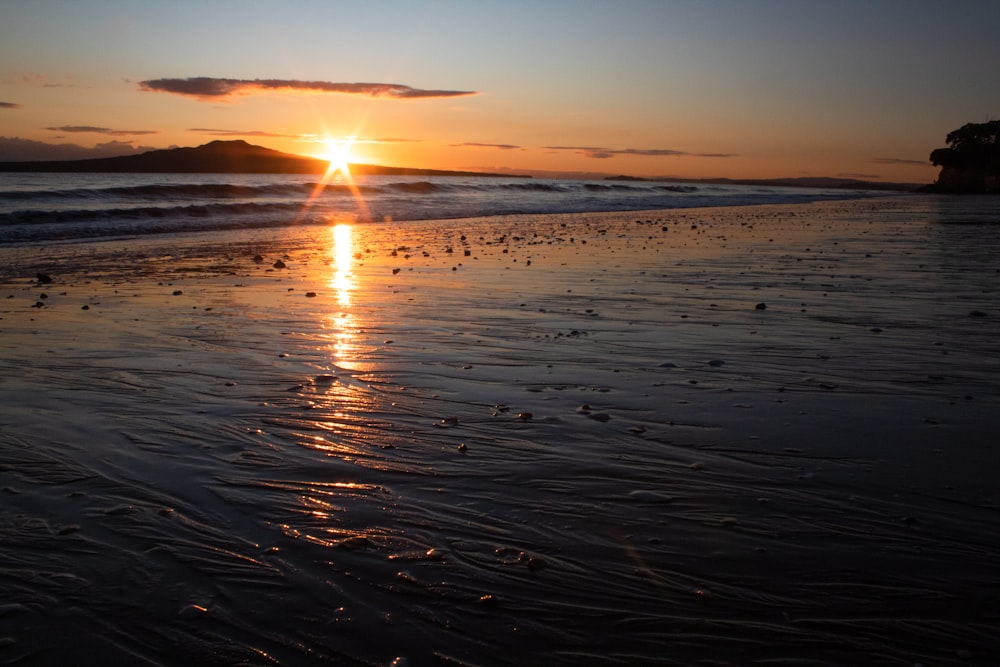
<point x="971" y="162"/>
<point x="239" y="157"/>
<point x="221" y="157"/>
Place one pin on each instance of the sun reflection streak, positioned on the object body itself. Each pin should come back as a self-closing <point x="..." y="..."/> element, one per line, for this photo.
<point x="343" y="258"/>
<point x="343" y="323"/>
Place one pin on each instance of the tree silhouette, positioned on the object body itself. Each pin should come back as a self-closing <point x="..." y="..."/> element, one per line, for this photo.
<point x="971" y="162"/>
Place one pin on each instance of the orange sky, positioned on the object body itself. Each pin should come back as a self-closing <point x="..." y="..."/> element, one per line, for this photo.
<point x="689" y="89"/>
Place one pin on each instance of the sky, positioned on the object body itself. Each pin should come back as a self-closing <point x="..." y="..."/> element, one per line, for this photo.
<point x="692" y="89"/>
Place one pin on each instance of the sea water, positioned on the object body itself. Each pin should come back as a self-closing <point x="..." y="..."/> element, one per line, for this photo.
<point x="39" y="207"/>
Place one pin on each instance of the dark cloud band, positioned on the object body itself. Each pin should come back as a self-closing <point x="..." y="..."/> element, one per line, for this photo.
<point x="9" y="105"/>
<point x="210" y="88"/>
<point x="604" y="153"/>
<point x="100" y="130"/>
<point x="475" y="144"/>
<point x="219" y="132"/>
<point x="896" y="160"/>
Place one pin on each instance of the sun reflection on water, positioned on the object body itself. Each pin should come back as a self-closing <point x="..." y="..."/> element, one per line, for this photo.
<point x="343" y="257"/>
<point x="344" y="337"/>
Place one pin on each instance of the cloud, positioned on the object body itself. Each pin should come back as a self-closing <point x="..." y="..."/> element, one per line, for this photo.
<point x="100" y="130"/>
<point x="9" y="105"/>
<point x="43" y="80"/>
<point x="215" y="132"/>
<point x="896" y="160"/>
<point x="14" y="149"/>
<point x="474" y="144"/>
<point x="605" y="153"/>
<point x="205" y="88"/>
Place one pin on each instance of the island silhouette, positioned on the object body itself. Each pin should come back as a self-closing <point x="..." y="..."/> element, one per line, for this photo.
<point x="239" y="157"/>
<point x="221" y="157"/>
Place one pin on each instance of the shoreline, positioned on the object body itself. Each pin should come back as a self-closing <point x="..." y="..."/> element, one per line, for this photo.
<point x="583" y="440"/>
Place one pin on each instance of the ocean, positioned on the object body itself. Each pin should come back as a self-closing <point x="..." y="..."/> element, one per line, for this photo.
<point x="702" y="436"/>
<point x="44" y="207"/>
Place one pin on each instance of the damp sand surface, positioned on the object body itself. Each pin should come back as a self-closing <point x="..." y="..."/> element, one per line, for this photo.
<point x="734" y="436"/>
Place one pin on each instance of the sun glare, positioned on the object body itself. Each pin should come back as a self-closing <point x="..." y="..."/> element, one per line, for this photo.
<point x="338" y="153"/>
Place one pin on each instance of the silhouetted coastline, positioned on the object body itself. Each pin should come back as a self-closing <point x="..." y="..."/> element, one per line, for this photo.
<point x="221" y="157"/>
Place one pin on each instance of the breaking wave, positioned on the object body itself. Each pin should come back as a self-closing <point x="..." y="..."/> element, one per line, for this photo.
<point x="37" y="207"/>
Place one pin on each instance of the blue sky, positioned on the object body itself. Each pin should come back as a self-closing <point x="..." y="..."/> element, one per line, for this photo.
<point x="700" y="89"/>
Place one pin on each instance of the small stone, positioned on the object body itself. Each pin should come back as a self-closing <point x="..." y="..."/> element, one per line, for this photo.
<point x="278" y="264"/>
<point x="761" y="306"/>
<point x="178" y="292"/>
<point x="192" y="611"/>
<point x="536" y="563"/>
<point x="44" y="278"/>
<point x="310" y="294"/>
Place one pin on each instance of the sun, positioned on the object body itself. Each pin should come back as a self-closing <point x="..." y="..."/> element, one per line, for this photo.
<point x="338" y="153"/>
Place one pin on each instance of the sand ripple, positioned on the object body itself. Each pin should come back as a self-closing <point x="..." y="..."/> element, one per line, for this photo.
<point x="608" y="455"/>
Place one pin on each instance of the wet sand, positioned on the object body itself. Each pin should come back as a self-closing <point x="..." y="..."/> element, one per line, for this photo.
<point x="757" y="435"/>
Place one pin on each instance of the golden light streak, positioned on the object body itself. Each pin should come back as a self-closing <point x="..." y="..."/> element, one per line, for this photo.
<point x="343" y="257"/>
<point x="344" y="337"/>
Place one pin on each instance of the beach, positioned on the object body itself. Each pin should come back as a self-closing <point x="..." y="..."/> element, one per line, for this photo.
<point x="749" y="435"/>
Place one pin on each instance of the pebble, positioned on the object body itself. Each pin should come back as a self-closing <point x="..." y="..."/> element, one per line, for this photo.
<point x="761" y="306"/>
<point x="192" y="611"/>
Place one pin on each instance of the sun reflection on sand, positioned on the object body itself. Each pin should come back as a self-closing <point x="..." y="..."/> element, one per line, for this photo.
<point x="343" y="258"/>
<point x="342" y="322"/>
